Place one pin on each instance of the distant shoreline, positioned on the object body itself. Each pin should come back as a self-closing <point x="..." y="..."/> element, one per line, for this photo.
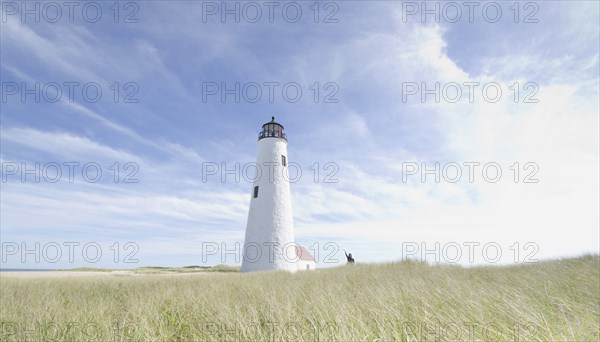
<point x="148" y="270"/>
<point x="26" y="270"/>
<point x="56" y="274"/>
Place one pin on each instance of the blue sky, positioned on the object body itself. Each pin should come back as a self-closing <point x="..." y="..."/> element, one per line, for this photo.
<point x="173" y="49"/>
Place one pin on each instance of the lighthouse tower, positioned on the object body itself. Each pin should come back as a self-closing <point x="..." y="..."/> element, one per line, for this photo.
<point x="269" y="242"/>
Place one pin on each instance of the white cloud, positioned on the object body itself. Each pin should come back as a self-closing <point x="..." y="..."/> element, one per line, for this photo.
<point x="560" y="134"/>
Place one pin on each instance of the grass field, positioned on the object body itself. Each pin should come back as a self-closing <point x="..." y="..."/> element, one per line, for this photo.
<point x="549" y="301"/>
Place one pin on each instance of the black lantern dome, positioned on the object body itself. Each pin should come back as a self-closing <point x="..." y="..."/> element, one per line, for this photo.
<point x="272" y="129"/>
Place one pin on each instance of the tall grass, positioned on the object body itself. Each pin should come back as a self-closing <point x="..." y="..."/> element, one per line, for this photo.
<point x="550" y="301"/>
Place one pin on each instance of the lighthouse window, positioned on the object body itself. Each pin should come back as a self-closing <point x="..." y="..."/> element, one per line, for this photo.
<point x="283" y="160"/>
<point x="256" y="191"/>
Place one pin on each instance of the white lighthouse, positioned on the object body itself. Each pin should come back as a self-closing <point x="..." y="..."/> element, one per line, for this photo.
<point x="269" y="242"/>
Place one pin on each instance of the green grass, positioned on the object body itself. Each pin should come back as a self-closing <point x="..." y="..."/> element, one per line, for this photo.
<point x="555" y="300"/>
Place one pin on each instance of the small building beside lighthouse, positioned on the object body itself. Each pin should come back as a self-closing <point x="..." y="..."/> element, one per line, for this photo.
<point x="306" y="262"/>
<point x="269" y="241"/>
